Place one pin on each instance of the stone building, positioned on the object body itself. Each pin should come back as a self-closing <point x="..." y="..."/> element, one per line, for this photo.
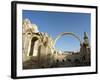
<point x="37" y="47"/>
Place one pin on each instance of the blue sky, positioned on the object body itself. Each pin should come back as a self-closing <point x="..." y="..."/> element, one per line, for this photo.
<point x="58" y="22"/>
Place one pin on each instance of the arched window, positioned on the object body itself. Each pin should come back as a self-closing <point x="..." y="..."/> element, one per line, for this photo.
<point x="57" y="60"/>
<point x="63" y="60"/>
<point x="33" y="40"/>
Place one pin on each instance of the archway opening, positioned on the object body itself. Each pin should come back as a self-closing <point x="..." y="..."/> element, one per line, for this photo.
<point x="67" y="40"/>
<point x="32" y="46"/>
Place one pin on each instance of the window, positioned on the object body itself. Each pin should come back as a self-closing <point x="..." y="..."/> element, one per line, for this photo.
<point x="34" y="39"/>
<point x="63" y="60"/>
<point x="57" y="60"/>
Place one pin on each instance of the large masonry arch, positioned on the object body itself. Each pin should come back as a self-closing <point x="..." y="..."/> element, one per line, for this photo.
<point x="66" y="33"/>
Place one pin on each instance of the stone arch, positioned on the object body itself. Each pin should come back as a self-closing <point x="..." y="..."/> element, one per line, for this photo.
<point x="32" y="41"/>
<point x="66" y="33"/>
